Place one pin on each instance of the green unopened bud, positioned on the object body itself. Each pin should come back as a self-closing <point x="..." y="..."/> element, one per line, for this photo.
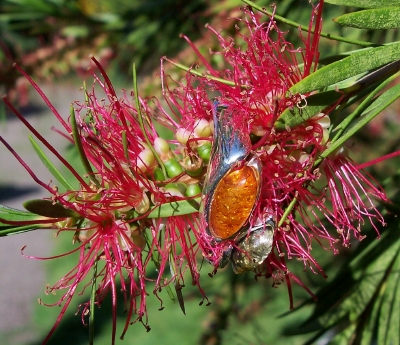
<point x="159" y="174"/>
<point x="202" y="128"/>
<point x="173" y="168"/>
<point x="204" y="151"/>
<point x="193" y="190"/>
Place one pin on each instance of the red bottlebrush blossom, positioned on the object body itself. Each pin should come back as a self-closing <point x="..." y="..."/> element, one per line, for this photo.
<point x="299" y="188"/>
<point x="113" y="215"/>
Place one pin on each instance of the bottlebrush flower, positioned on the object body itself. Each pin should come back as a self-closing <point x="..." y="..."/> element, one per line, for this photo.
<point x="117" y="216"/>
<point x="300" y="187"/>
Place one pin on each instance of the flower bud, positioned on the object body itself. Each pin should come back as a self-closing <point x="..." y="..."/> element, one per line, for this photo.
<point x="124" y="245"/>
<point x="202" y="128"/>
<point x="180" y="186"/>
<point x="145" y="160"/>
<point x="162" y="148"/>
<point x="182" y="135"/>
<point x="258" y="131"/>
<point x="324" y="121"/>
<point x="144" y="204"/>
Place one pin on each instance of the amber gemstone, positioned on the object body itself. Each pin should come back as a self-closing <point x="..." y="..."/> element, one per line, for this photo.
<point x="233" y="202"/>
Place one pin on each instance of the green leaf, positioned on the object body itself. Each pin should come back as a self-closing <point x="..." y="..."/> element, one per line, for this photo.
<point x="364" y="3"/>
<point x="388" y="332"/>
<point x="380" y="18"/>
<point x="383" y="101"/>
<point x="49" y="165"/>
<point x="176" y="208"/>
<point x="78" y="144"/>
<point x="306" y="28"/>
<point x="315" y="104"/>
<point x="18" y="230"/>
<point x="362" y="296"/>
<point x="19" y="218"/>
<point x="343" y="337"/>
<point x="49" y="209"/>
<point x="365" y="60"/>
<point x="14" y="215"/>
<point x="379" y="104"/>
<point x="75" y="31"/>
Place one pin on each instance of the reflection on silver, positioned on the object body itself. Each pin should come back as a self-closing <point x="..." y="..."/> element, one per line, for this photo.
<point x="232" y="147"/>
<point x="253" y="249"/>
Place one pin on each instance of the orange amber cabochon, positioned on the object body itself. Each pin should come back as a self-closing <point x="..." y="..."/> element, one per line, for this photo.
<point x="233" y="201"/>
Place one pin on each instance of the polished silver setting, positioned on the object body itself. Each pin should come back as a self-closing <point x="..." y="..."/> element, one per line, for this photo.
<point x="232" y="148"/>
<point x="253" y="249"/>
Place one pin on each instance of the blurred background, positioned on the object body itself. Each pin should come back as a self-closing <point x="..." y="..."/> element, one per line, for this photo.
<point x="51" y="40"/>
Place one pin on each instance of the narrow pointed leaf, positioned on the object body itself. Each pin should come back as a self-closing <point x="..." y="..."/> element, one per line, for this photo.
<point x="379" y="18"/>
<point x="49" y="165"/>
<point x="364" y="3"/>
<point x="81" y="151"/>
<point x="24" y="221"/>
<point x="365" y="60"/>
<point x="17" y="230"/>
<point x="343" y="337"/>
<point x="14" y="215"/>
<point x="389" y="320"/>
<point x="47" y="208"/>
<point x="355" y="298"/>
<point x="181" y="301"/>
<point x="315" y="104"/>
<point x="175" y="208"/>
<point x="381" y="103"/>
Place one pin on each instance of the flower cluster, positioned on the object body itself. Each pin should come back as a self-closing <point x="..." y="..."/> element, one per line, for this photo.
<point x="141" y="206"/>
<point x="299" y="188"/>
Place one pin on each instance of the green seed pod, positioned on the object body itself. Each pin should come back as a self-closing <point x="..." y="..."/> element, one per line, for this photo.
<point x="204" y="151"/>
<point x="193" y="190"/>
<point x="173" y="168"/>
<point x="159" y="174"/>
